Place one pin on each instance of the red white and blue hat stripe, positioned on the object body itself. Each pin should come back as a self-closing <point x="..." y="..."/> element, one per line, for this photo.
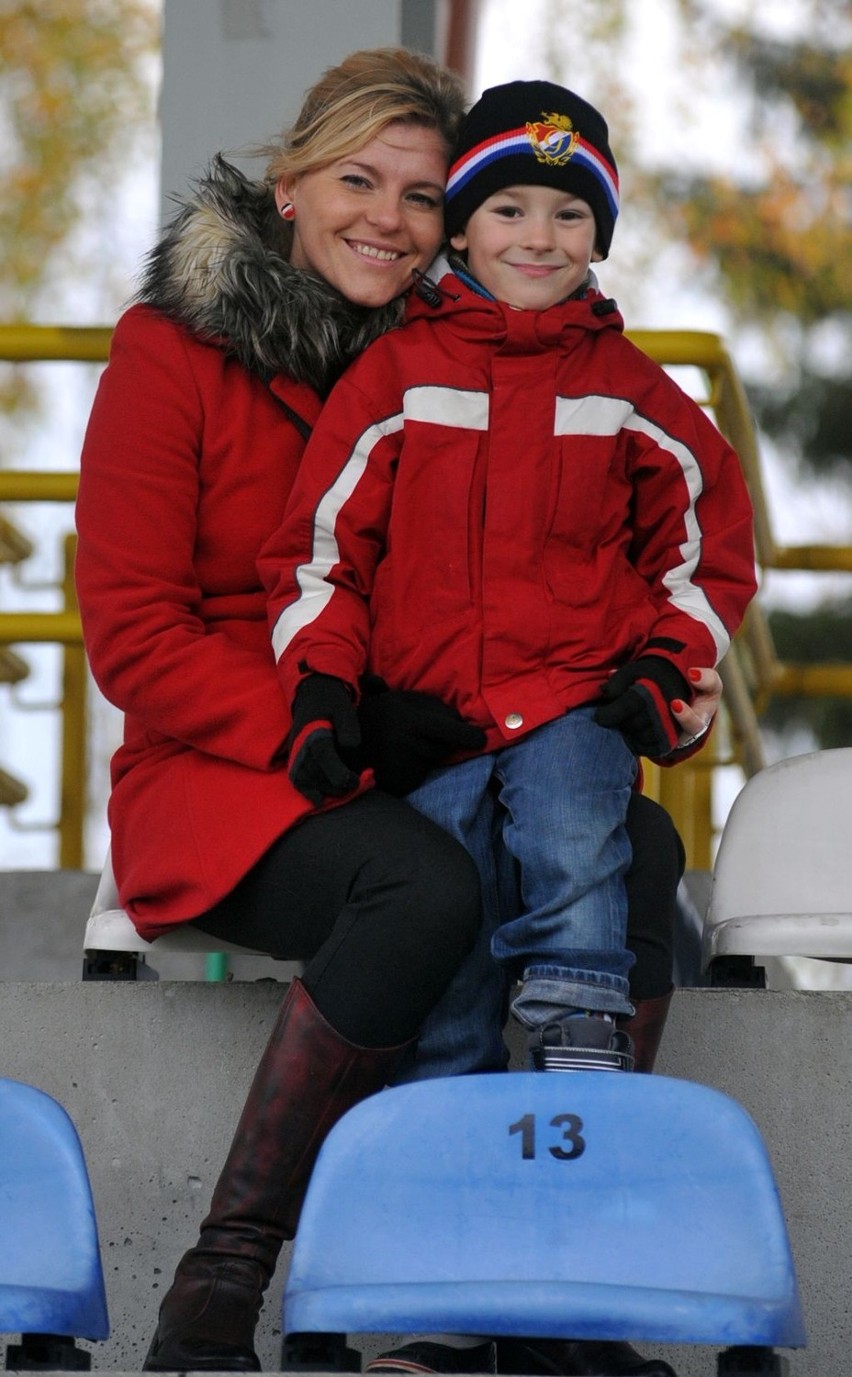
<point x="517" y="141"/>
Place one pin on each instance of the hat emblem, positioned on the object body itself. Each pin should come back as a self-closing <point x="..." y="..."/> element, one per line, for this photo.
<point x="553" y="138"/>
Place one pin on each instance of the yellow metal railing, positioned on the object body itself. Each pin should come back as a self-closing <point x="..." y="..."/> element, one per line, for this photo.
<point x="751" y="671"/>
<point x="28" y="344"/>
<point x="55" y="343"/>
<point x="14" y="549"/>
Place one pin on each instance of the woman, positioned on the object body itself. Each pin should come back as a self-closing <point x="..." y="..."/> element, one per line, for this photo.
<point x="246" y="316"/>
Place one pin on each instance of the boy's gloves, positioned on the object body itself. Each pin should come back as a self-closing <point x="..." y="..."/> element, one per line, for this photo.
<point x="325" y="727"/>
<point x="406" y="734"/>
<point x="636" y="700"/>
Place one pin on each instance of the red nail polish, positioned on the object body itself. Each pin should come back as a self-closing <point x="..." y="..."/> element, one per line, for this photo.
<point x="677" y="705"/>
<point x="694" y="675"/>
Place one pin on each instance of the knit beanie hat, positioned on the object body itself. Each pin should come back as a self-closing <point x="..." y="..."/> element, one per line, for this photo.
<point x="533" y="133"/>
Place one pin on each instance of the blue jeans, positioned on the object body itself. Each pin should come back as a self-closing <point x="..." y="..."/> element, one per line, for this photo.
<point x="544" y="821"/>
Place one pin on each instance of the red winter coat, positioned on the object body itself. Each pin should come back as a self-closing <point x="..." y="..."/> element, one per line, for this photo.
<point x="187" y="464"/>
<point x="500" y="507"/>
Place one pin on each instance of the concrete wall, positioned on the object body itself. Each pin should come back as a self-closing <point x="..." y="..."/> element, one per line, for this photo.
<point x="154" y="1076"/>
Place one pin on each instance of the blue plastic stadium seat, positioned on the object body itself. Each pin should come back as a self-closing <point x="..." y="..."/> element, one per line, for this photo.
<point x="51" y="1280"/>
<point x="581" y="1205"/>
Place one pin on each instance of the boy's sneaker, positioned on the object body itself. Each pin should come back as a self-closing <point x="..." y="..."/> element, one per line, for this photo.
<point x="424" y="1356"/>
<point x="580" y="1042"/>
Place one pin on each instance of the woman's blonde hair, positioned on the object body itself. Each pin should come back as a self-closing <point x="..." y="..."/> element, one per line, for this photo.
<point x="354" y="101"/>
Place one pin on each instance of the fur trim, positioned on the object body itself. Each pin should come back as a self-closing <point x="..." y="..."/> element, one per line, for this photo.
<point x="221" y="270"/>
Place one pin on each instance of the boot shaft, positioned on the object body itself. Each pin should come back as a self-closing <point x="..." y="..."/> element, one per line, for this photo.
<point x="307" y="1078"/>
<point x="645" y="1029"/>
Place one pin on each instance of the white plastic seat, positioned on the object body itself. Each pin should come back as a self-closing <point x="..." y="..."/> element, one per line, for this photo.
<point x="782" y="882"/>
<point x="110" y="929"/>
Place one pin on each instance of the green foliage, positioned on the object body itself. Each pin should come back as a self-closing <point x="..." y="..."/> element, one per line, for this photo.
<point x="776" y="226"/>
<point x="72" y="94"/>
<point x="819" y="636"/>
<point x="811" y="422"/>
<point x="779" y="252"/>
<point x="814" y="79"/>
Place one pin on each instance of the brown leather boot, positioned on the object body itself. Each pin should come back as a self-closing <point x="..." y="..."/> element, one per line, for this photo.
<point x="645" y="1027"/>
<point x="307" y="1078"/>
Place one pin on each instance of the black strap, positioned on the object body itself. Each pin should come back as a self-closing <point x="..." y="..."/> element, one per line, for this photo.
<point x="298" y="421"/>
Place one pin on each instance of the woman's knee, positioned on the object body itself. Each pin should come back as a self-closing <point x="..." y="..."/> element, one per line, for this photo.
<point x="655" y="840"/>
<point x="419" y="884"/>
<point x="442" y="892"/>
<point x="652" y="883"/>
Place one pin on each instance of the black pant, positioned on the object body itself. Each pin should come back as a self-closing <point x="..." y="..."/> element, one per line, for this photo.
<point x="381" y="905"/>
<point x="651" y="882"/>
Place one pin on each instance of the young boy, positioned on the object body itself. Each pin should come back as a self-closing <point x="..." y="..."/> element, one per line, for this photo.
<point x="507" y="505"/>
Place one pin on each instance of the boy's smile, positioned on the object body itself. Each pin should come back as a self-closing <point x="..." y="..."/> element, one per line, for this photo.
<point x="530" y="246"/>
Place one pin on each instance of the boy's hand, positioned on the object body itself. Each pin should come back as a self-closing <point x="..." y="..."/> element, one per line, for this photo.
<point x="325" y="724"/>
<point x="635" y="700"/>
<point x="406" y="735"/>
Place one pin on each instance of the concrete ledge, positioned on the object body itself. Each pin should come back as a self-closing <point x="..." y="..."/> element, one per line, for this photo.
<point x="154" y="1076"/>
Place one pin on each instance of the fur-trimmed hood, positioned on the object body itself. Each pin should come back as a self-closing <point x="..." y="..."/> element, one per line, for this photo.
<point x="221" y="270"/>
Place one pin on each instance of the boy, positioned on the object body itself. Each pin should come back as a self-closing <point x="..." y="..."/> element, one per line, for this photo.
<point x="505" y="504"/>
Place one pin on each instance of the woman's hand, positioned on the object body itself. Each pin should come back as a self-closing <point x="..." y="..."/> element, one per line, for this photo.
<point x="695" y="717"/>
<point x="325" y="728"/>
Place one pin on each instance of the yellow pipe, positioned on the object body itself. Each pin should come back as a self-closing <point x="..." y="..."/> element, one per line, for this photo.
<point x="676" y="348"/>
<point x="14" y="546"/>
<point x="62" y="628"/>
<point x="37" y="486"/>
<point x="813" y="681"/>
<point x="74" y="770"/>
<point x="12" y="668"/>
<point x="43" y="343"/>
<point x="12" y="791"/>
<point x="828" y="558"/>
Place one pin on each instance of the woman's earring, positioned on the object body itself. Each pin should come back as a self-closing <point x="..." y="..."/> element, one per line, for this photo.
<point x="288" y="211"/>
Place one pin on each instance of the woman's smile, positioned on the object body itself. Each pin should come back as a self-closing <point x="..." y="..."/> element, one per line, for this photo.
<point x="379" y="255"/>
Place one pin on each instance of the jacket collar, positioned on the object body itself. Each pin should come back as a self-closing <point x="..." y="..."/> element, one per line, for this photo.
<point x="221" y="270"/>
<point x="447" y="291"/>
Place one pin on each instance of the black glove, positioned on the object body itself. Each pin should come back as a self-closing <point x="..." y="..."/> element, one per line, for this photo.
<point x="636" y="701"/>
<point x="406" y="735"/>
<point x="323" y="706"/>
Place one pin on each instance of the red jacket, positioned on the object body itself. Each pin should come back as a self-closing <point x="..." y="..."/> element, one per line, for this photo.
<point x="187" y="465"/>
<point x="174" y="617"/>
<point x="500" y="507"/>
